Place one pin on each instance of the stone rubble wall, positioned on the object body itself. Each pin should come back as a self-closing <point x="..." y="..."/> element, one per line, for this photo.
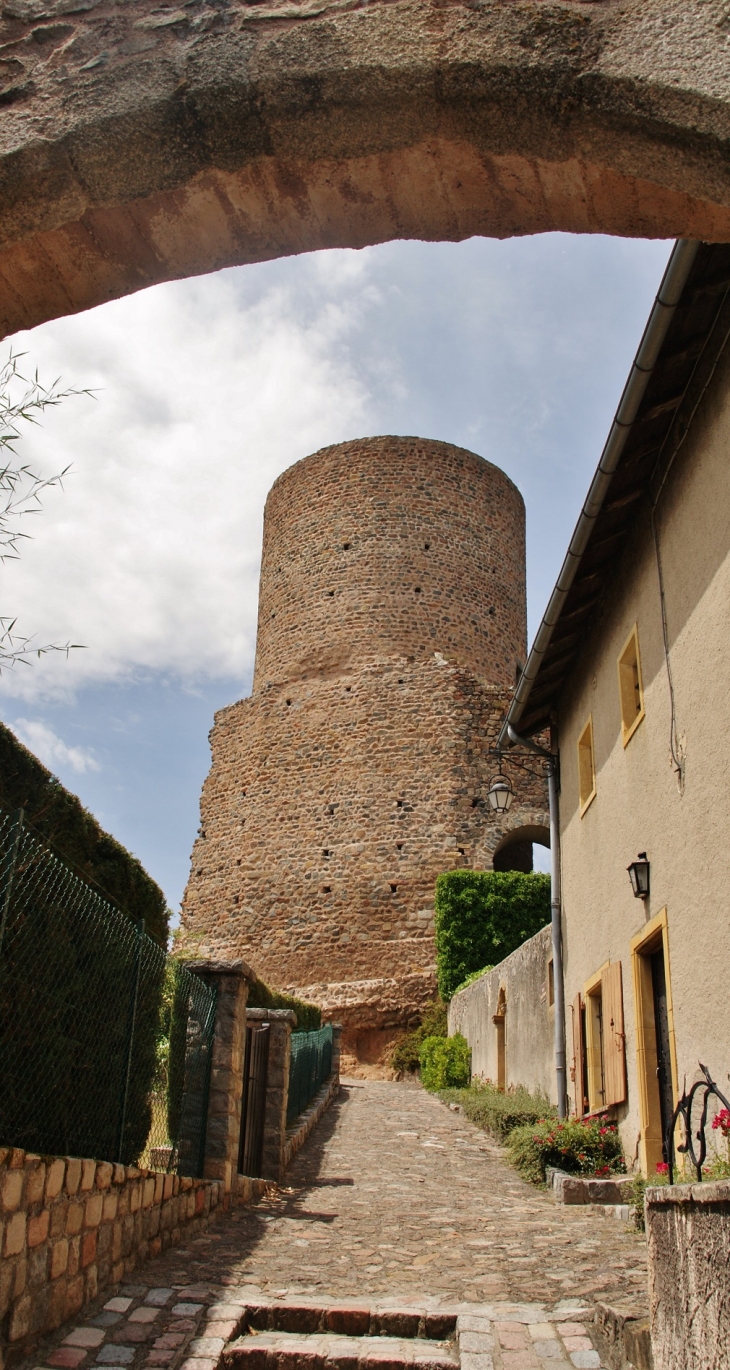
<point x="70" y="1227"/>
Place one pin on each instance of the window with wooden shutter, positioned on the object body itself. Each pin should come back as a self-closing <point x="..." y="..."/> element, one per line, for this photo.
<point x="586" y="767"/>
<point x="614" y="1042"/>
<point x="630" y="687"/>
<point x="578" y="1056"/>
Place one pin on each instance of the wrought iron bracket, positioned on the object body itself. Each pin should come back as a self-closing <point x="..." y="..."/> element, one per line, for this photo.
<point x="683" y="1111"/>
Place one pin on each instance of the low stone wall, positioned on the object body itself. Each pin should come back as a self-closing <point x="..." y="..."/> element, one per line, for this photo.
<point x="688" y="1234"/>
<point x="297" y="1135"/>
<point x="529" y="1018"/>
<point x="70" y="1227"/>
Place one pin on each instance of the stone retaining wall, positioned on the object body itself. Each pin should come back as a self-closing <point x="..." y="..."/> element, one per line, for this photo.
<point x="688" y="1235"/>
<point x="71" y="1227"/>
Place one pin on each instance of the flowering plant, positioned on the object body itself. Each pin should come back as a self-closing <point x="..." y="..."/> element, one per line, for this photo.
<point x="662" y="1168"/>
<point x="722" y="1121"/>
<point x="583" y="1146"/>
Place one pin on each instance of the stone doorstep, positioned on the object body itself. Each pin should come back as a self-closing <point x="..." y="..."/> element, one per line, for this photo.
<point x="582" y="1189"/>
<point x="296" y="1350"/>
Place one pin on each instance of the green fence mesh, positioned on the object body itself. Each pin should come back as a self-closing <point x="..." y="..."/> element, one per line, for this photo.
<point x="310" y="1065"/>
<point x="88" y="1009"/>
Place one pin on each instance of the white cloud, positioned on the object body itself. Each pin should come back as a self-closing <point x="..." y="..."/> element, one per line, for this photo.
<point x="207" y="389"/>
<point x="149" y="556"/>
<point x="51" y="749"/>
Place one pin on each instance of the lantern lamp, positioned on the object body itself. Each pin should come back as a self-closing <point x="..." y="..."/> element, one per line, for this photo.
<point x="639" y="876"/>
<point x="500" y="794"/>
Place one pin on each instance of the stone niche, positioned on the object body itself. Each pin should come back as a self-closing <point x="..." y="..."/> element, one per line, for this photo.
<point x="391" y="624"/>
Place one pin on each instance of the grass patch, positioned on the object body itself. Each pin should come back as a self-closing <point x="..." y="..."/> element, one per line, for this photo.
<point x="497" y="1112"/>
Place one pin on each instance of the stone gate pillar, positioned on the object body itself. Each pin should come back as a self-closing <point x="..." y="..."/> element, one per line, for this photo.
<point x="231" y="980"/>
<point x="281" y="1022"/>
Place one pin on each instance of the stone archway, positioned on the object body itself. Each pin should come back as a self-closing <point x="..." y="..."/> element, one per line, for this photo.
<point x="514" y="850"/>
<point x="142" y="143"/>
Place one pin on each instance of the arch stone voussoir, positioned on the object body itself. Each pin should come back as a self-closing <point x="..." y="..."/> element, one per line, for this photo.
<point x="140" y="142"/>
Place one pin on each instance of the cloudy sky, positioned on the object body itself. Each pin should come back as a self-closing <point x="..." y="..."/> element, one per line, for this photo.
<point x="205" y="391"/>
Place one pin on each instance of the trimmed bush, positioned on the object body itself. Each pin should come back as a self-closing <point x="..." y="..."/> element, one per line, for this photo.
<point x="309" y="1016"/>
<point x="500" y="1112"/>
<point x="579" y="1146"/>
<point x="61" y="820"/>
<point x="445" y="1061"/>
<point x="482" y="916"/>
<point x="406" y="1054"/>
<point x="475" y="975"/>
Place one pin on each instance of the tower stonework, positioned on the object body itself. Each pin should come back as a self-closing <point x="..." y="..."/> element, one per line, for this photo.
<point x="391" y="621"/>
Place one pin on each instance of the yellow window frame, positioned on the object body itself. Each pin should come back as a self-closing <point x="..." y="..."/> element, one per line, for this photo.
<point x="592" y="999"/>
<point x="630" y="686"/>
<point x="654" y="935"/>
<point x="586" y="767"/>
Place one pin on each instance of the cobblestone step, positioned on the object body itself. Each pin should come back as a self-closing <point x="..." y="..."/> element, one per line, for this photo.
<point x="328" y="1351"/>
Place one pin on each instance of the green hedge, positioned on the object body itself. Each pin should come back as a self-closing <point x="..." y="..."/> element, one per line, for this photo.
<point x="406" y="1054"/>
<point x="309" y="1016"/>
<point x="60" y="818"/>
<point x="445" y="1061"/>
<point x="482" y="916"/>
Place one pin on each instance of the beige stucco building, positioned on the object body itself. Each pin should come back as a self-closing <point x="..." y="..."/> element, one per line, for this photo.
<point x="631" y="669"/>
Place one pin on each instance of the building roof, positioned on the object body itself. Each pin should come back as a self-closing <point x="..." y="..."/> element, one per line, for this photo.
<point x="680" y="331"/>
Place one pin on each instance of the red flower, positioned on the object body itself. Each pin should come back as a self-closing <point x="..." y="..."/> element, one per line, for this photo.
<point x="662" y="1168"/>
<point x="722" y="1121"/>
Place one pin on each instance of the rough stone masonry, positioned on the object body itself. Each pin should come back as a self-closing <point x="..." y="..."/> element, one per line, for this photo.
<point x="391" y="623"/>
<point x="143" y="141"/>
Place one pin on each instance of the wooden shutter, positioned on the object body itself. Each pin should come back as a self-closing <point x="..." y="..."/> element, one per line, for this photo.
<point x="614" y="1046"/>
<point x="578" y="1053"/>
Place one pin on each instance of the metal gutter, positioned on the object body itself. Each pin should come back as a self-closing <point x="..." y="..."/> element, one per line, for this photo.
<point x="669" y="294"/>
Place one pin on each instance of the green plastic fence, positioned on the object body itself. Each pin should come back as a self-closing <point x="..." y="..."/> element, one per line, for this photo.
<point x="310" y="1066"/>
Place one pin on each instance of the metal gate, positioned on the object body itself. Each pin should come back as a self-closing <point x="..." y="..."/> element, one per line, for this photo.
<point x="253" y="1108"/>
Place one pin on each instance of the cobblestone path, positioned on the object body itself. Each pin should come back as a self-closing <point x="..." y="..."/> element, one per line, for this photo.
<point x="396" y="1194"/>
<point x="394" y="1199"/>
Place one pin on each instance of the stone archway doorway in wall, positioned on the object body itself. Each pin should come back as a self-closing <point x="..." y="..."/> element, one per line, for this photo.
<point x="142" y="144"/>
<point x="515" y="851"/>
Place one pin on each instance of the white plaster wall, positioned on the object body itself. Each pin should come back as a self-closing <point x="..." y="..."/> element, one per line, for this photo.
<point x="638" y="805"/>
<point x="529" y="1019"/>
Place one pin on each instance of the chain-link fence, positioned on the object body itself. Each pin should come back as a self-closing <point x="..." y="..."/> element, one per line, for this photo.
<point x="104" y="1040"/>
<point x="309" y="1067"/>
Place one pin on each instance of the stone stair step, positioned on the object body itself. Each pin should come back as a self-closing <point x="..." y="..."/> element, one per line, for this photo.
<point x="330" y="1351"/>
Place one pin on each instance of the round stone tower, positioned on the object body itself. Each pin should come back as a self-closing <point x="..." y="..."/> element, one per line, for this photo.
<point x="391" y="624"/>
<point x="391" y="547"/>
